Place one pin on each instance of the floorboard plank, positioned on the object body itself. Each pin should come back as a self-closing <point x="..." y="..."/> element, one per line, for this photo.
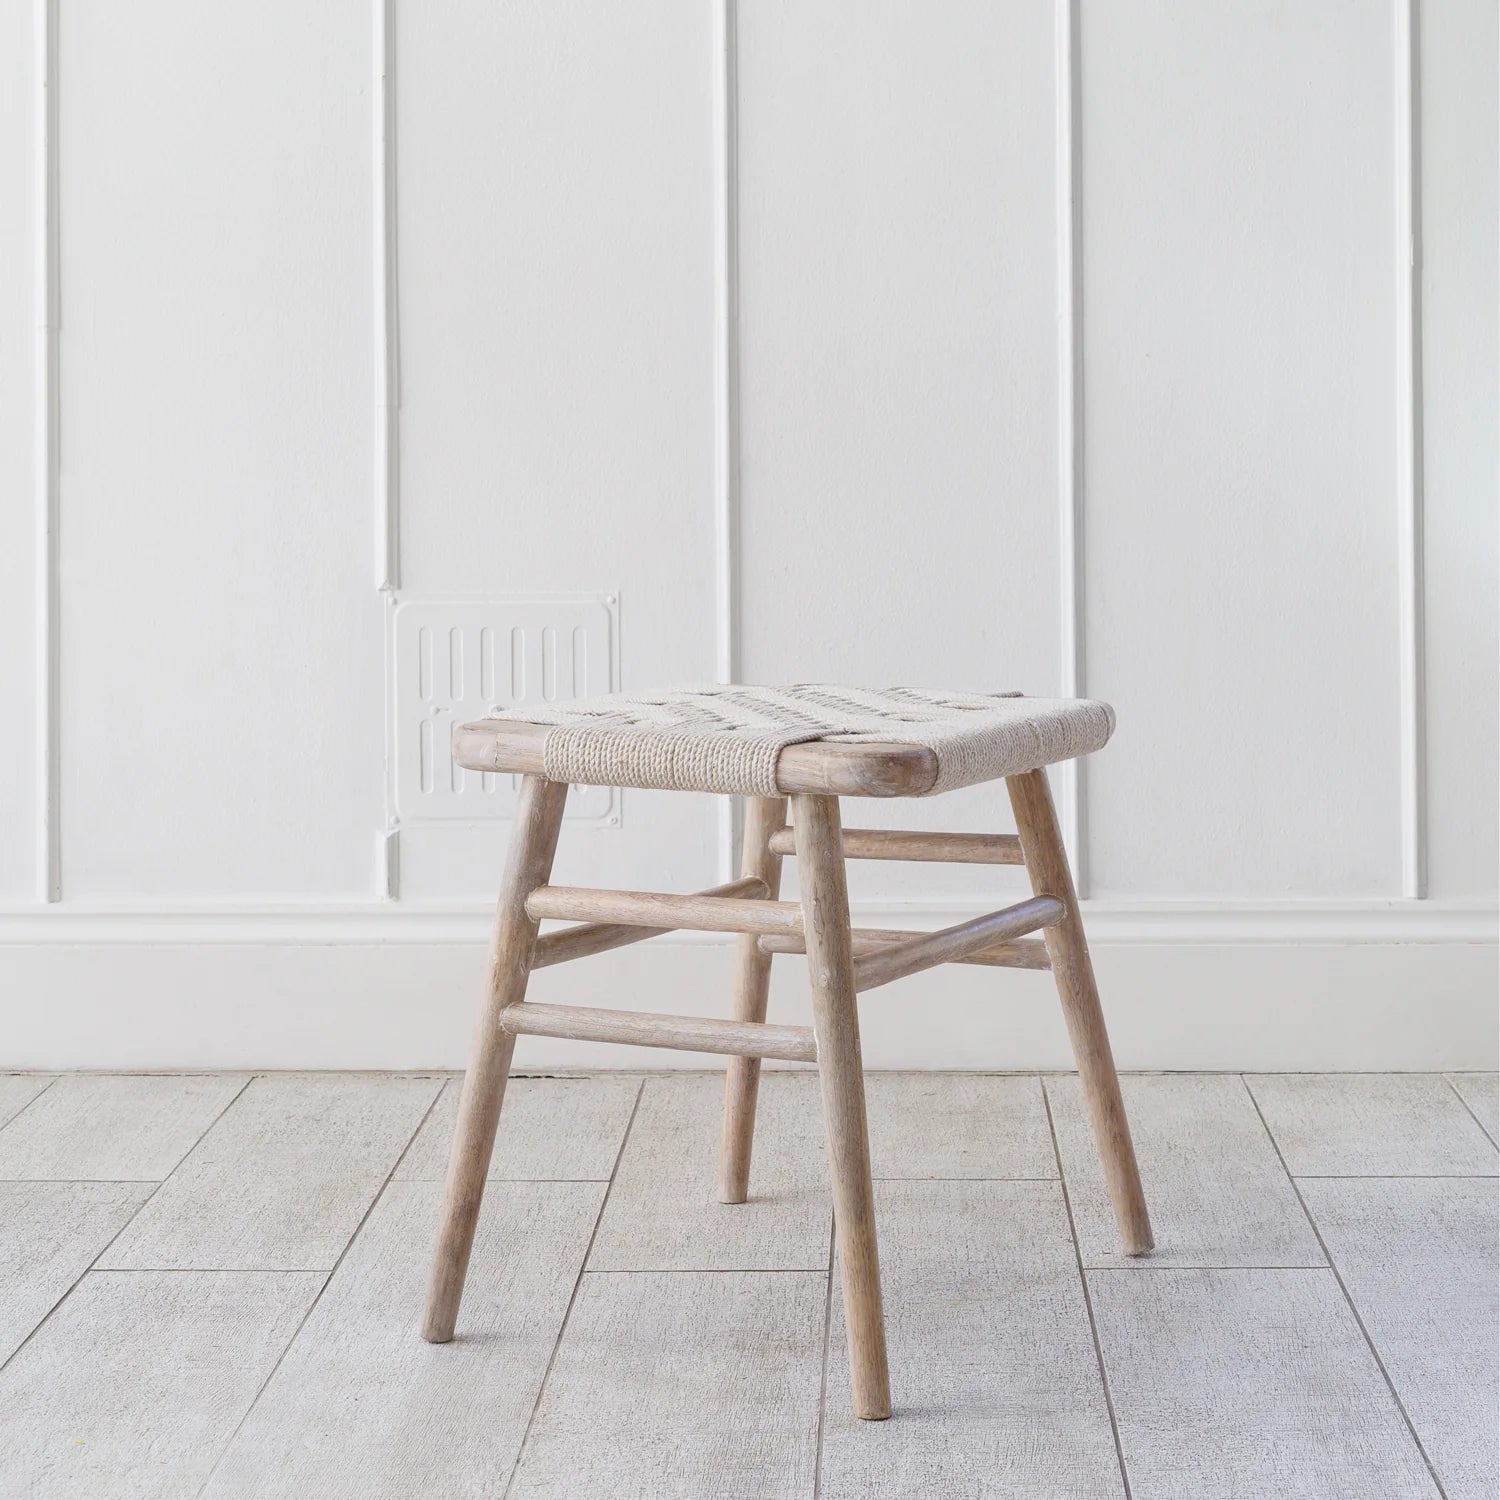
<point x="1250" y="1385"/>
<point x="134" y="1384"/>
<point x="958" y="1125"/>
<point x="1372" y="1125"/>
<point x="50" y="1234"/>
<point x="995" y="1380"/>
<point x="1217" y="1193"/>
<point x="1418" y="1256"/>
<point x="1481" y="1092"/>
<point x="102" y="1127"/>
<point x="283" y="1179"/>
<point x="662" y="1214"/>
<point x="551" y="1129"/>
<point x="362" y="1408"/>
<point x="681" y="1386"/>
<point x="17" y="1090"/>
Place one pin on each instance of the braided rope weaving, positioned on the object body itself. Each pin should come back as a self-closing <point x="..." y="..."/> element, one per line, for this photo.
<point x="727" y="738"/>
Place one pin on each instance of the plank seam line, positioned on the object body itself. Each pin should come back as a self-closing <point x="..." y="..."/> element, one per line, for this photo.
<point x="583" y="1265"/>
<point x="1446" y="1079"/>
<point x="1088" y="1301"/>
<point x="823" y="1385"/>
<point x="1359" y="1322"/>
<point x="318" y="1297"/>
<point x="27" y="1105"/>
<point x="150" y="1197"/>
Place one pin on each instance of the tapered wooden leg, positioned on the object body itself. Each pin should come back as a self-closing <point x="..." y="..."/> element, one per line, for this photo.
<point x="1036" y="822"/>
<point x="539" y="811"/>
<point x="752" y="979"/>
<point x="830" y="964"/>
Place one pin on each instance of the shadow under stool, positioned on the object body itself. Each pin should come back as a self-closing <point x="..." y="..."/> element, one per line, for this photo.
<point x="801" y="748"/>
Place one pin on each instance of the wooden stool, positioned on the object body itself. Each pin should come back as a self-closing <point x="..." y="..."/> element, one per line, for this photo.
<point x="811" y="745"/>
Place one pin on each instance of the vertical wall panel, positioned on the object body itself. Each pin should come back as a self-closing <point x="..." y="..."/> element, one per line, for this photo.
<point x="556" y="287"/>
<point x="1241" y="494"/>
<point x="220" y="637"/>
<point x="1461" y="399"/>
<point x="898" y="345"/>
<point x="18" y="455"/>
<point x="898" y="296"/>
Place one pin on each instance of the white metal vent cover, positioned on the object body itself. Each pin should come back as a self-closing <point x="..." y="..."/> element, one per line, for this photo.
<point x="456" y="659"/>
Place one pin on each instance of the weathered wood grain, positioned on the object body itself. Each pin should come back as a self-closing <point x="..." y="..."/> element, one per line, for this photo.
<point x="1073" y="972"/>
<point x="362" y="1407"/>
<point x="995" y="1382"/>
<point x="133" y="1386"/>
<point x="551" y="1129"/>
<point x="884" y="963"/>
<point x="650" y="1028"/>
<point x="1219" y="1196"/>
<point x="1372" y="1125"/>
<point x="50" y="1234"/>
<point x="1249" y="1385"/>
<point x="1418" y="1257"/>
<point x="101" y="1127"/>
<point x="765" y="817"/>
<point x="662" y="1214"/>
<point x="957" y="1125"/>
<point x="682" y="1386"/>
<point x="831" y="977"/>
<point x="535" y="826"/>
<point x="17" y="1090"/>
<point x="283" y="1179"/>
<point x="1481" y="1092"/>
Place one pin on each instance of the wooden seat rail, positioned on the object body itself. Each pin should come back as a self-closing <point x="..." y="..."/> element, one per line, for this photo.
<point x="599" y="937"/>
<point x="897" y="960"/>
<point x="932" y="848"/>
<point x="648" y="1029"/>
<point x="1025" y="954"/>
<point x="664" y="912"/>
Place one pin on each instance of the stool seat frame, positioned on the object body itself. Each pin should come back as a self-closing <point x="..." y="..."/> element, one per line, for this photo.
<point x="842" y="962"/>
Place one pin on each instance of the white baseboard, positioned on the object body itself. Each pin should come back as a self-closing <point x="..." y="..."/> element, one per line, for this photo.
<point x="1308" y="986"/>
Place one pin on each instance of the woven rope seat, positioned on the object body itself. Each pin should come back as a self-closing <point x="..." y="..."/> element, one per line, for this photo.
<point x="763" y="741"/>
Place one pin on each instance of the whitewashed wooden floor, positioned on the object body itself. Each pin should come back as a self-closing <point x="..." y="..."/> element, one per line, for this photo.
<point x="211" y="1286"/>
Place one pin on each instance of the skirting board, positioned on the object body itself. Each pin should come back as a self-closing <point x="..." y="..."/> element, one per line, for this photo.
<point x="1349" y="987"/>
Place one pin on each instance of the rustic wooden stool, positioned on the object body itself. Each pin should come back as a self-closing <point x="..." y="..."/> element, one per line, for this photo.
<point x="812" y="745"/>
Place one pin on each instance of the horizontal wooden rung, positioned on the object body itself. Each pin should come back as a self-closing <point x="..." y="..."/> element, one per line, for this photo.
<point x="1028" y="953"/>
<point x="896" y="961"/>
<point x="640" y="1028"/>
<point x="936" y="848"/>
<point x="665" y="912"/>
<point x="600" y="937"/>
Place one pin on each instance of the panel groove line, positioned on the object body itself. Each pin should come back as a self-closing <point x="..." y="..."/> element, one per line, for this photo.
<point x="1070" y="776"/>
<point x="1408" y="260"/>
<point x="47" y="457"/>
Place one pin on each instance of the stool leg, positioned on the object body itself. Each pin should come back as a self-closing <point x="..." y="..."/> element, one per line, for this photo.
<point x="830" y="964"/>
<point x="1067" y="947"/>
<point x="752" y="980"/>
<point x="539" y="811"/>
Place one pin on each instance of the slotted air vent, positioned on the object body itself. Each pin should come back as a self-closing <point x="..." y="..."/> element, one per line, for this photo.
<point x="455" y="659"/>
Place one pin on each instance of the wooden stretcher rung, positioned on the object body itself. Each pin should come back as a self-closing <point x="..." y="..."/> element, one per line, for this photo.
<point x="662" y="911"/>
<point x="1028" y="953"/>
<point x="646" y="1029"/>
<point x="897" y="960"/>
<point x="599" y="937"/>
<point x="936" y="848"/>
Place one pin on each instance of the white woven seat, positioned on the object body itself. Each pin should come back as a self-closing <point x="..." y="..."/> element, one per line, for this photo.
<point x="742" y="740"/>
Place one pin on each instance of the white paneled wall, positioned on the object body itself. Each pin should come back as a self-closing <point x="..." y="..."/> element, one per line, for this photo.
<point x="1139" y="349"/>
